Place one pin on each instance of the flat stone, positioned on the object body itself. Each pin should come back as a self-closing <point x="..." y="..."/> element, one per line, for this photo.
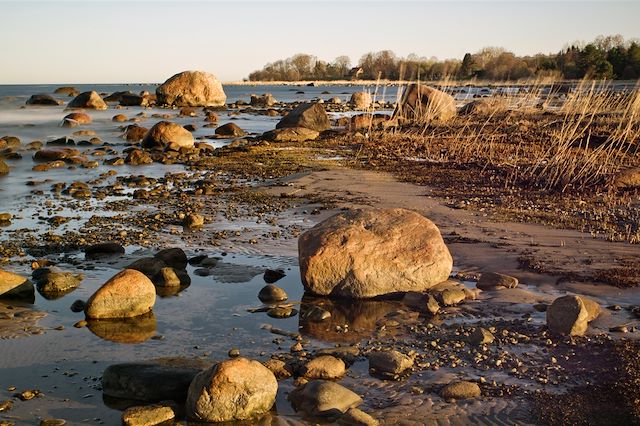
<point x="147" y="415"/>
<point x="323" y="398"/>
<point x="324" y="367"/>
<point x="496" y="281"/>
<point x="389" y="362"/>
<point x="460" y="390"/>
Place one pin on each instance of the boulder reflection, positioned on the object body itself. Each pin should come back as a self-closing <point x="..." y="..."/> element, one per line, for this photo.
<point x="360" y="317"/>
<point x="126" y="330"/>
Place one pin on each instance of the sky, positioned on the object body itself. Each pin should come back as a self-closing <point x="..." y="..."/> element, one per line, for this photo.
<point x="49" y="42"/>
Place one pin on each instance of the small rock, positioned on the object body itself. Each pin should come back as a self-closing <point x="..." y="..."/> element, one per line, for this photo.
<point x="193" y="220"/>
<point x="233" y="353"/>
<point x="279" y="368"/>
<point x="481" y="336"/>
<point x="272" y="293"/>
<point x="357" y="417"/>
<point x="5" y="405"/>
<point x="460" y="390"/>
<point x="28" y="394"/>
<point x="324" y="367"/>
<point x="496" y="281"/>
<point x="53" y="422"/>
<point x="433" y="307"/>
<point x="323" y="398"/>
<point x="389" y="362"/>
<point x="174" y="257"/>
<point x="451" y="297"/>
<point x="273" y="275"/>
<point x="147" y="416"/>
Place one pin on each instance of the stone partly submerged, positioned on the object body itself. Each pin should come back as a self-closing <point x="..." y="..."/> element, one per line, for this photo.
<point x="308" y="115"/>
<point x="368" y="253"/>
<point x="43" y="99"/>
<point x="236" y="389"/>
<point x="127" y="294"/>
<point x="89" y="100"/>
<point x="421" y="103"/>
<point x="192" y="88"/>
<point x="167" y="134"/>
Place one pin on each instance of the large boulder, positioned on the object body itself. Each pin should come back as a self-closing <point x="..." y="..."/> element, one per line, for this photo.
<point x="43" y="99"/>
<point x="368" y="253"/>
<point x="191" y="88"/>
<point x="129" y="293"/>
<point x="15" y="286"/>
<point x="89" y="100"/>
<point x="236" y="389"/>
<point x="360" y="100"/>
<point x="165" y="133"/>
<point x="309" y="115"/>
<point x="423" y="104"/>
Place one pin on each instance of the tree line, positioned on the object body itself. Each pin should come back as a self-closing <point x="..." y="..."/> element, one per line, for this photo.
<point x="607" y="57"/>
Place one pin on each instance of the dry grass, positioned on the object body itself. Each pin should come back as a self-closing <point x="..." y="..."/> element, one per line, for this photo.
<point x="542" y="157"/>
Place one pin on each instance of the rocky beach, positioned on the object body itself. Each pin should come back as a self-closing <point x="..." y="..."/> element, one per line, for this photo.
<point x="193" y="253"/>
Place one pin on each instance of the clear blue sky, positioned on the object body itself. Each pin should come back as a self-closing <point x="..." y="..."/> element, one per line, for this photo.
<point x="148" y="41"/>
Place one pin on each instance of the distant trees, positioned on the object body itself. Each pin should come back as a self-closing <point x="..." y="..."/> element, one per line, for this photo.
<point x="303" y="67"/>
<point x="607" y="57"/>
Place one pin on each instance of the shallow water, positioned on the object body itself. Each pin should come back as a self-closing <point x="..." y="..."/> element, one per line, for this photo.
<point x="204" y="320"/>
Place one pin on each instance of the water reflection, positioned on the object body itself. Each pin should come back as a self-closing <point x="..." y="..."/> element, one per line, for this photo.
<point x="53" y="295"/>
<point x="361" y="318"/>
<point x="170" y="291"/>
<point x="126" y="330"/>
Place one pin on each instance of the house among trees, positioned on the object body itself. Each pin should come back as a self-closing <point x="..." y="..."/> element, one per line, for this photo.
<point x="355" y="73"/>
